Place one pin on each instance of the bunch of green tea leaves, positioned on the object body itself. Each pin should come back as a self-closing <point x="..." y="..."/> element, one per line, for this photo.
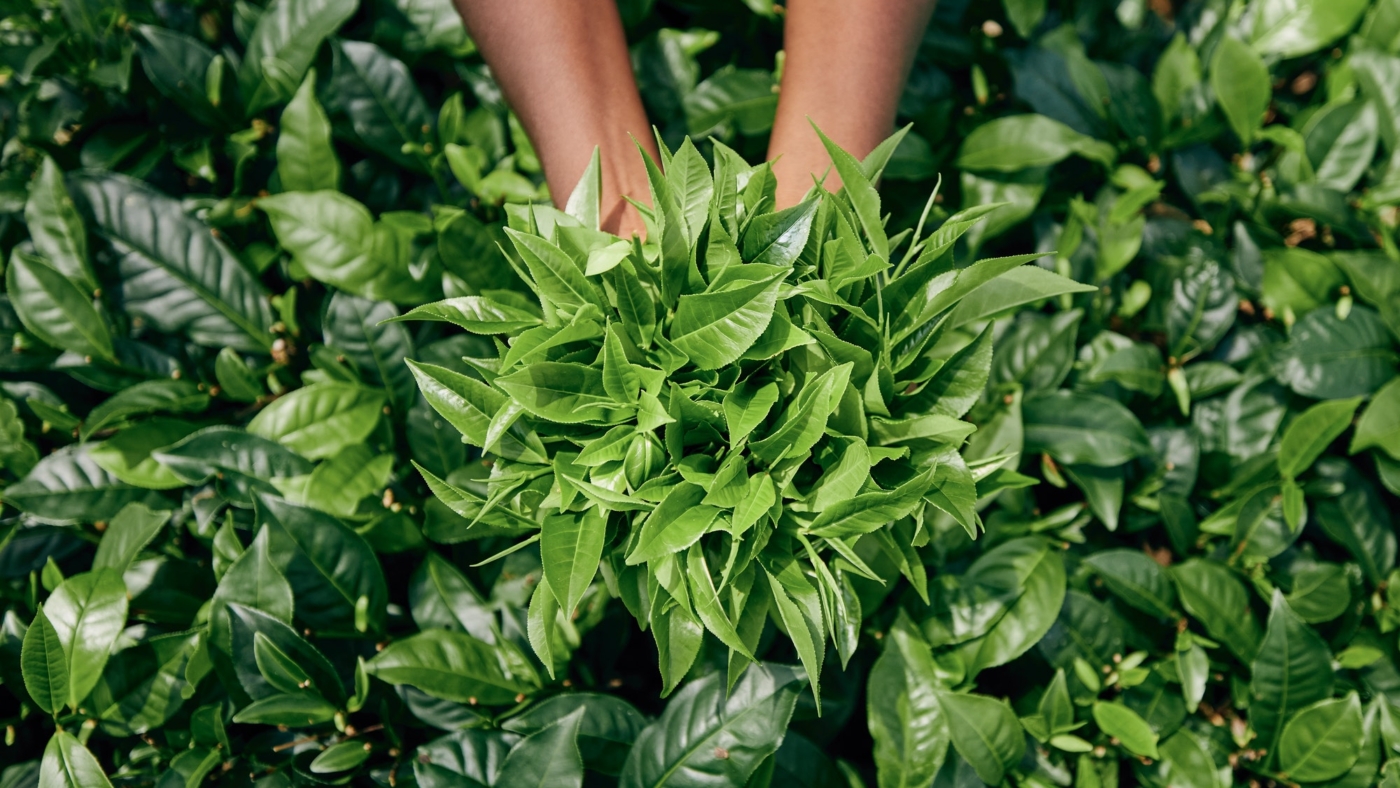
<point x="715" y="418"/>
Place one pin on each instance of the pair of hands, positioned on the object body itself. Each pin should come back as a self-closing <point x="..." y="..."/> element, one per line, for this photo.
<point x="564" y="67"/>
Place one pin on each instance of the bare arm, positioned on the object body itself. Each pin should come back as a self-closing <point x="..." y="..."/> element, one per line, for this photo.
<point x="565" y="71"/>
<point x="847" y="61"/>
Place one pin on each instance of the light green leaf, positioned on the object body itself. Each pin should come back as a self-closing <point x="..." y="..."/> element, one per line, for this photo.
<point x="306" y="160"/>
<point x="56" y="228"/>
<point x="1241" y="85"/>
<point x="584" y="201"/>
<point x="68" y="764"/>
<point x="906" y="720"/>
<point x="1124" y="724"/>
<point x="560" y="392"/>
<point x="1379" y="425"/>
<point x="715" y="328"/>
<point x="54" y="310"/>
<point x="88" y="612"/>
<point x="1290" y="29"/>
<point x="1322" y="741"/>
<point x="299" y="709"/>
<point x="1312" y="432"/>
<point x="340" y="757"/>
<point x="283" y="45"/>
<point x="319" y="420"/>
<point x="778" y="238"/>
<point x="557" y="277"/>
<point x="476" y="314"/>
<point x="1019" y="142"/>
<point x="861" y="193"/>
<point x="571" y="546"/>
<point x="675" y="524"/>
<point x="127" y="534"/>
<point x="867" y="512"/>
<point x="452" y="666"/>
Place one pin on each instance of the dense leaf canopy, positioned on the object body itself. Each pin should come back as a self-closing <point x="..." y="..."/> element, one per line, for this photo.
<point x="331" y="454"/>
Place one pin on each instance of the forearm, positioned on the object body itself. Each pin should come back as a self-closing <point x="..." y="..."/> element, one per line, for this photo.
<point x="846" y="63"/>
<point x="564" y="69"/>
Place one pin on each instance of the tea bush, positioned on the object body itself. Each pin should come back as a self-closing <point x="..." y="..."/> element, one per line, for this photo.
<point x="333" y="455"/>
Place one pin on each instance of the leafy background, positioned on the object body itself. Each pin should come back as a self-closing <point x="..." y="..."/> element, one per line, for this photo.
<point x="1199" y="590"/>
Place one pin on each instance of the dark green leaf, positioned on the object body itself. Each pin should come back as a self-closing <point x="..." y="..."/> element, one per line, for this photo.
<point x="376" y="93"/>
<point x="45" y="665"/>
<point x="179" y="65"/>
<point x="1293" y="669"/>
<point x="244" y="462"/>
<point x="175" y="273"/>
<point x="606" y="732"/>
<point x="152" y="396"/>
<point x="1030" y="572"/>
<point x="985" y="731"/>
<point x="1329" y="358"/>
<point x="1215" y="597"/>
<point x="357" y="327"/>
<point x="330" y="567"/>
<point x="705" y="735"/>
<point x="69" y="485"/>
<point x="1136" y="578"/>
<point x="1075" y="427"/>
<point x="549" y="756"/>
<point x="141" y="688"/>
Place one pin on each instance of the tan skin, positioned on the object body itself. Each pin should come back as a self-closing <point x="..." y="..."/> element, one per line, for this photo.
<point x="565" y="70"/>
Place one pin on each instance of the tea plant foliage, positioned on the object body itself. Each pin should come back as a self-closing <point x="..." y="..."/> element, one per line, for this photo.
<point x="332" y="454"/>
